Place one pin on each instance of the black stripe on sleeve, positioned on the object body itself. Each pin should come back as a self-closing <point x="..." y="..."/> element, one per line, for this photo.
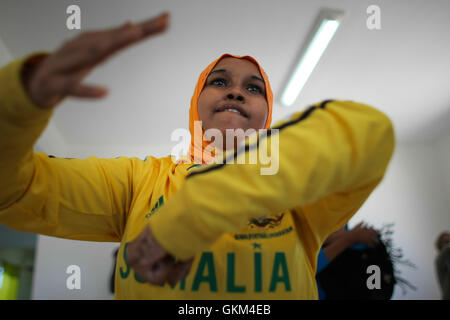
<point x="248" y="148"/>
<point x="324" y="103"/>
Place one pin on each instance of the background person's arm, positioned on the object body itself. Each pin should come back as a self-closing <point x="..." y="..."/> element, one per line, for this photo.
<point x="338" y="246"/>
<point x="359" y="234"/>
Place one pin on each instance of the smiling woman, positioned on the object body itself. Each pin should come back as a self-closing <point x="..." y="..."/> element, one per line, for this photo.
<point x="188" y="231"/>
<point x="234" y="96"/>
<point x="233" y="85"/>
<point x="237" y="88"/>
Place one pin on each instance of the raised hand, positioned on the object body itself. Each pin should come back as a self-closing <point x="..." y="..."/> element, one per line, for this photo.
<point x="60" y="74"/>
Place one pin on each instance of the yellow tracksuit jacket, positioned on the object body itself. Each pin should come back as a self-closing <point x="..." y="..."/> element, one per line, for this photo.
<point x="253" y="236"/>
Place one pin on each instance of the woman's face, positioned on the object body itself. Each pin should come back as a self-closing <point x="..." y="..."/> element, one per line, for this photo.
<point x="233" y="83"/>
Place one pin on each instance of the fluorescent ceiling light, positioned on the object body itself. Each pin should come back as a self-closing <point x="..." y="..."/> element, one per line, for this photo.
<point x="326" y="27"/>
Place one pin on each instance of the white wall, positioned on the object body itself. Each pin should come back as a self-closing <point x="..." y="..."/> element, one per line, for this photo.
<point x="443" y="149"/>
<point x="5" y="55"/>
<point x="53" y="256"/>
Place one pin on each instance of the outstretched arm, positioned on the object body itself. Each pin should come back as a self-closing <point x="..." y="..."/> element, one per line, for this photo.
<point x="335" y="148"/>
<point x="330" y="157"/>
<point x="71" y="198"/>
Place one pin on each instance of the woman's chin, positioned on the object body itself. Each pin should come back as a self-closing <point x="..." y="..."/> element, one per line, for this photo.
<point x="231" y="123"/>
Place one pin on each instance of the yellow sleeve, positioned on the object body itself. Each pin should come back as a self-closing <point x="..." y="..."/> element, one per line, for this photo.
<point x="331" y="156"/>
<point x="79" y="199"/>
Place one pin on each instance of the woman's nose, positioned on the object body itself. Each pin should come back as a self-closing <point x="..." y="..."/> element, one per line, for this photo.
<point x="235" y="95"/>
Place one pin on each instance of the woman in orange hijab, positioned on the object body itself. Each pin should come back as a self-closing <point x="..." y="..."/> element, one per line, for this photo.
<point x="233" y="92"/>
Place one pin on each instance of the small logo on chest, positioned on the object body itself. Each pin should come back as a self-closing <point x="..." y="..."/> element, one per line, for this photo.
<point x="158" y="204"/>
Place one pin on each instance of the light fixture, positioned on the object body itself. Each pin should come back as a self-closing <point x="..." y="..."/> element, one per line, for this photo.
<point x="323" y="31"/>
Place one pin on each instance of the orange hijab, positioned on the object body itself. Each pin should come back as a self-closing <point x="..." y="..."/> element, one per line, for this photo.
<point x="200" y="143"/>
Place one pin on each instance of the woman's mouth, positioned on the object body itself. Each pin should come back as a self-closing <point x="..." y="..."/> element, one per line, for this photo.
<point x="232" y="108"/>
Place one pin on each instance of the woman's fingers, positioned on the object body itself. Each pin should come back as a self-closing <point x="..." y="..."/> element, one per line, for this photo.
<point x="61" y="73"/>
<point x="56" y="87"/>
<point x="92" y="48"/>
<point x="180" y="271"/>
<point x="163" y="270"/>
<point x="159" y="272"/>
<point x="154" y="26"/>
<point x="88" y="91"/>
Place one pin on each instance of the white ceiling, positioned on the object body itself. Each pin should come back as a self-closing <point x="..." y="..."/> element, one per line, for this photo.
<point x="402" y="69"/>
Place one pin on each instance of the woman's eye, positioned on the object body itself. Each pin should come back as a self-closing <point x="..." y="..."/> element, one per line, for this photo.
<point x="218" y="81"/>
<point x="255" y="89"/>
<point x="222" y="82"/>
